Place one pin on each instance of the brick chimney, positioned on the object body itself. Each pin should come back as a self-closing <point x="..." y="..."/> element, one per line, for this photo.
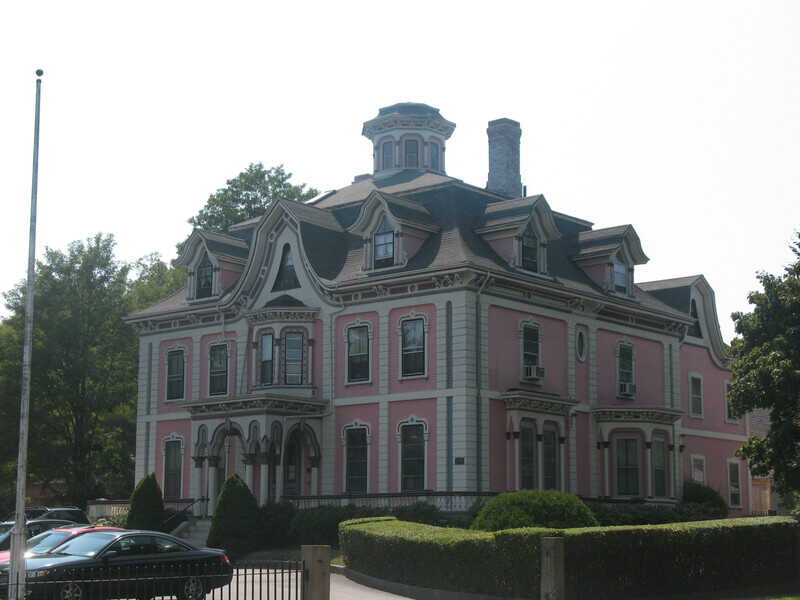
<point x="504" y="177"/>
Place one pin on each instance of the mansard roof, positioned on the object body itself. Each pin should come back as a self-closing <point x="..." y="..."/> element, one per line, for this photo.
<point x="401" y="181"/>
<point x="677" y="292"/>
<point x="602" y="243"/>
<point x="220" y="245"/>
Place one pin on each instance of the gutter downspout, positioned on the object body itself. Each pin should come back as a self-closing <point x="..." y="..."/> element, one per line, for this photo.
<point x="478" y="385"/>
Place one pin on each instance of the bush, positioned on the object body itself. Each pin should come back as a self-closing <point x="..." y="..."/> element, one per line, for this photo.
<point x="624" y="562"/>
<point x="147" y="505"/>
<point x="321" y="525"/>
<point x="236" y="519"/>
<point x="274" y="523"/>
<point x="702" y="494"/>
<point x="608" y="514"/>
<point x="421" y="512"/>
<point x="534" y="508"/>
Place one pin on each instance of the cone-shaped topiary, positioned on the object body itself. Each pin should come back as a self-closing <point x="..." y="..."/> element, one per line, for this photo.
<point x="534" y="508"/>
<point x="235" y="525"/>
<point x="147" y="505"/>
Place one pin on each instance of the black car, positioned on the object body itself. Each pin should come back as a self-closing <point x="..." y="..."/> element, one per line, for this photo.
<point x="34" y="527"/>
<point x="124" y="564"/>
<point x="70" y="513"/>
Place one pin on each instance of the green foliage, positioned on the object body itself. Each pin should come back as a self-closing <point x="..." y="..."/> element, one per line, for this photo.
<point x="421" y="512"/>
<point x="608" y="513"/>
<point x="766" y="374"/>
<point x="147" y="505"/>
<point x="154" y="280"/>
<point x="274" y="523"/>
<point x="534" y="508"/>
<point x="624" y="562"/>
<point x="505" y="563"/>
<point x="248" y="195"/>
<point x="236" y="517"/>
<point x="697" y="493"/>
<point x="321" y="525"/>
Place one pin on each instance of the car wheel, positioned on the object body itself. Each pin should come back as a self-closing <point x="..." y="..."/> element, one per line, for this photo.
<point x="71" y="591"/>
<point x="191" y="589"/>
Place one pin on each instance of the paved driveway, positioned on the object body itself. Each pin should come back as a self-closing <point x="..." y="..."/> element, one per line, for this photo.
<point x="343" y="588"/>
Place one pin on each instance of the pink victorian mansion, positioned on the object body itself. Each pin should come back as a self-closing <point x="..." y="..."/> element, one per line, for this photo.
<point x="412" y="336"/>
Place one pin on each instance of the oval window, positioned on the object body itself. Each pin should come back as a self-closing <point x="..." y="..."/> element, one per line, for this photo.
<point x="580" y="345"/>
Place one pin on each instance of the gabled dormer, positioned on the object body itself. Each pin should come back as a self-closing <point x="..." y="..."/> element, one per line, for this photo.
<point x="520" y="231"/>
<point x="214" y="263"/>
<point x="608" y="257"/>
<point x="392" y="230"/>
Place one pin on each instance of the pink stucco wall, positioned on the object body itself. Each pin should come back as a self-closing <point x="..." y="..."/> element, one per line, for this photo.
<point x="597" y="273"/>
<point x="648" y="369"/>
<point x="210" y="340"/>
<point x="344" y="389"/>
<point x="400" y="411"/>
<point x="363" y="413"/>
<point x="504" y="248"/>
<point x="413" y="384"/>
<point x="181" y="427"/>
<point x="505" y="351"/>
<point x="187" y="345"/>
<point x="717" y="452"/>
<point x="582" y="368"/>
<point x="497" y="445"/>
<point x="695" y="359"/>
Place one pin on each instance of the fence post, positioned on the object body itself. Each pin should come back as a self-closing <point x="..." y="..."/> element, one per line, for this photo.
<point x="553" y="580"/>
<point x="317" y="579"/>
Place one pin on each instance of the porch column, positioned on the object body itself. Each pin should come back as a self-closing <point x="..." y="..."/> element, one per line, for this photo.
<point x="195" y="478"/>
<point x="539" y="462"/>
<point x="213" y="473"/>
<point x="249" y="471"/>
<point x="315" y="475"/>
<point x="263" y="488"/>
<point x="648" y="464"/>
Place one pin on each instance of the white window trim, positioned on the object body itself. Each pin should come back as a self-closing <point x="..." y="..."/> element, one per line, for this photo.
<point x="399" y="257"/>
<point x="541" y="250"/>
<point x="192" y="277"/>
<point x="725" y="385"/>
<point x="411" y="420"/>
<point x="738" y="463"/>
<point x="228" y="386"/>
<point x="620" y="343"/>
<point x="306" y="372"/>
<point x="426" y="333"/>
<point x="256" y="361"/>
<point x="641" y="493"/>
<point x="176" y="348"/>
<point x="692" y="458"/>
<point x="171" y="437"/>
<point x="579" y="332"/>
<point x="690" y="411"/>
<point x="521" y="334"/>
<point x="356" y="425"/>
<point x="359" y="322"/>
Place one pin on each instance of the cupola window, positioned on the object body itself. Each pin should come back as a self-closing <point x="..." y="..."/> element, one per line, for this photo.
<point x="387" y="155"/>
<point x="530" y="252"/>
<point x="620" y="277"/>
<point x="384" y="245"/>
<point x="412" y="154"/>
<point x="205" y="278"/>
<point x="435" y="157"/>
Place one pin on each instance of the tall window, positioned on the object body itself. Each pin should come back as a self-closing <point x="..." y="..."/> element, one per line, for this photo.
<point x="434" y="156"/>
<point x="384" y="245"/>
<point x="412" y="154"/>
<point x="625" y="370"/>
<point x="358" y="353"/>
<point x="267" y="365"/>
<point x="218" y="372"/>
<point x="175" y="375"/>
<point x="627" y="467"/>
<point x="286" y="279"/>
<point x="531" y="349"/>
<point x="172" y="469"/>
<point x="660" y="470"/>
<point x="356" y="466"/>
<point x="696" y="396"/>
<point x="734" y="487"/>
<point x="293" y="354"/>
<point x="549" y="459"/>
<point x="530" y="252"/>
<point x="695" y="330"/>
<point x="413" y="350"/>
<point x="698" y="468"/>
<point x="412" y="458"/>
<point x="620" y="277"/>
<point x="204" y="278"/>
<point x="387" y="155"/>
<point x="527" y="456"/>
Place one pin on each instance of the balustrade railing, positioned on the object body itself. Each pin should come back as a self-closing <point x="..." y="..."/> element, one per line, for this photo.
<point x="453" y="502"/>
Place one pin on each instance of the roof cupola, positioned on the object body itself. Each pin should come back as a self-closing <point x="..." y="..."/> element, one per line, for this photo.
<point x="408" y="135"/>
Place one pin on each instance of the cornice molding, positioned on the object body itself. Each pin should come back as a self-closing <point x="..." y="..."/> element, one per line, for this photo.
<point x="537" y="402"/>
<point x="637" y="414"/>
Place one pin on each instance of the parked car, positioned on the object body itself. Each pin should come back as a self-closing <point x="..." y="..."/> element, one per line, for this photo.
<point x="47" y="540"/>
<point x="124" y="564"/>
<point x="34" y="527"/>
<point x="68" y="513"/>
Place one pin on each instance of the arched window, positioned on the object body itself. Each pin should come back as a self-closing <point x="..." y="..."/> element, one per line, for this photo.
<point x="530" y="252"/>
<point x="383" y="244"/>
<point x="173" y="467"/>
<point x="286" y="278"/>
<point x="204" y="277"/>
<point x="620" y="277"/>
<point x="435" y="159"/>
<point x="387" y="155"/>
<point x="411" y="148"/>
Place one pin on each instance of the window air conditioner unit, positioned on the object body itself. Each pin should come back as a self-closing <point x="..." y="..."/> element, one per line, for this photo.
<point x="627" y="389"/>
<point x="533" y="372"/>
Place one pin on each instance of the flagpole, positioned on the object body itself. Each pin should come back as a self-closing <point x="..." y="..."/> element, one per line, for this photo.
<point x="18" y="534"/>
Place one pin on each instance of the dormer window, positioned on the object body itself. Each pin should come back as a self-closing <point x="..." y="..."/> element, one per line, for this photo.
<point x="286" y="278"/>
<point x="387" y="155"/>
<point x="411" y="154"/>
<point x="530" y="252"/>
<point x="620" y="277"/>
<point x="384" y="245"/>
<point x="435" y="162"/>
<point x="204" y="278"/>
<point x="695" y="330"/>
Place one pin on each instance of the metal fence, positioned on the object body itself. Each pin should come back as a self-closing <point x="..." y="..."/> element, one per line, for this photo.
<point x="261" y="580"/>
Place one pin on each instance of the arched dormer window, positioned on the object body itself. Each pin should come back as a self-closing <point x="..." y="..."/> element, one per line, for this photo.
<point x="383" y="244"/>
<point x="387" y="154"/>
<point x="530" y="251"/>
<point x="620" y="277"/>
<point x="695" y="330"/>
<point x="435" y="157"/>
<point x="286" y="278"/>
<point x="204" y="278"/>
<point x="411" y="154"/>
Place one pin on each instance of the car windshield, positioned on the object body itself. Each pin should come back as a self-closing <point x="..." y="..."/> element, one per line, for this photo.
<point x="5" y="527"/>
<point x="88" y="544"/>
<point x="46" y="540"/>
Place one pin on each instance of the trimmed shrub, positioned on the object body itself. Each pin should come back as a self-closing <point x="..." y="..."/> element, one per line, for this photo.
<point x="534" y="508"/>
<point x="321" y="525"/>
<point x="234" y="526"/>
<point x="608" y="514"/>
<point x="421" y="512"/>
<point x="274" y="523"/>
<point x="624" y="562"/>
<point x="147" y="505"/>
<point x="702" y="494"/>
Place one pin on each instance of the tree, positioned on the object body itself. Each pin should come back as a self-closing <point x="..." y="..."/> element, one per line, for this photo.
<point x="248" y="195"/>
<point x="236" y="519"/>
<point x="147" y="505"/>
<point x="766" y="374"/>
<point x="154" y="281"/>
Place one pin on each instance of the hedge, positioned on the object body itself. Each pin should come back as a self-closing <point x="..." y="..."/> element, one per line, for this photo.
<point x="622" y="562"/>
<point x="501" y="563"/>
<point x="645" y="513"/>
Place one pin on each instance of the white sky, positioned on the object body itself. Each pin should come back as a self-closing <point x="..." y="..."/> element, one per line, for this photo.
<point x="682" y="118"/>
